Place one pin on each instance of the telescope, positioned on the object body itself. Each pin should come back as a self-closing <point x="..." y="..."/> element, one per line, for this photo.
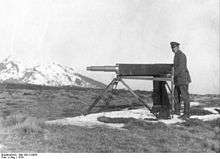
<point x="135" y="69"/>
<point x="158" y="73"/>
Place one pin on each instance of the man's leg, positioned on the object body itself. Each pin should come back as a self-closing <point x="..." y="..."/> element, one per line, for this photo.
<point x="185" y="98"/>
<point x="177" y="105"/>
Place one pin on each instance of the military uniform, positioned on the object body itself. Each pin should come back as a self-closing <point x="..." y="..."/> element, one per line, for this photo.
<point x="181" y="81"/>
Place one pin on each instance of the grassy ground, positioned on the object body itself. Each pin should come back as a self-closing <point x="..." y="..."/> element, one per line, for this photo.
<point x="22" y="127"/>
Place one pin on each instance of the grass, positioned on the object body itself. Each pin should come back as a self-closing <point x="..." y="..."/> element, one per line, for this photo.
<point x="199" y="111"/>
<point x="137" y="136"/>
<point x="21" y="124"/>
<point x="22" y="127"/>
<point x="114" y="120"/>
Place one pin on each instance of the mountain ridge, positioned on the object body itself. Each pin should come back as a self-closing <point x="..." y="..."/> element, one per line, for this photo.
<point x="47" y="74"/>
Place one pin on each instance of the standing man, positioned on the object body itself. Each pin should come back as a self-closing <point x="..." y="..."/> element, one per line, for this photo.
<point x="181" y="81"/>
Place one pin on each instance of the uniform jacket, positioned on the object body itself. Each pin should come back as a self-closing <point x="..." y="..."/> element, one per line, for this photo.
<point x="181" y="73"/>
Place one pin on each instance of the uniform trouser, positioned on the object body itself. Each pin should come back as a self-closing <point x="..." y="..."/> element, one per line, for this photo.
<point x="181" y="93"/>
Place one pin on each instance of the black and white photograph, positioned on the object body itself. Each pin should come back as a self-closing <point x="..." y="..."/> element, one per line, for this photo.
<point x="109" y="77"/>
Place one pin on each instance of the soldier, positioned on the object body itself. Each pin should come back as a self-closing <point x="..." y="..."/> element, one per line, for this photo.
<point x="181" y="81"/>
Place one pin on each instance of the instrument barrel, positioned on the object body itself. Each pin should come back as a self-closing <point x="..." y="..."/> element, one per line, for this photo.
<point x="103" y="68"/>
<point x="135" y="69"/>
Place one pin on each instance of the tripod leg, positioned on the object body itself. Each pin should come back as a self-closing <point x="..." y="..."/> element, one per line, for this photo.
<point x="137" y="97"/>
<point x="115" y="86"/>
<point x="173" y="100"/>
<point x="170" y="90"/>
<point x="100" y="96"/>
<point x="112" y="90"/>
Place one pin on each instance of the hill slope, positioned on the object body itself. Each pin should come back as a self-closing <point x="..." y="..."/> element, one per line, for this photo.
<point x="51" y="74"/>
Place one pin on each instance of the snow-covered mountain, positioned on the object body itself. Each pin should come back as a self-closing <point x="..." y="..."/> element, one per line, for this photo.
<point x="52" y="74"/>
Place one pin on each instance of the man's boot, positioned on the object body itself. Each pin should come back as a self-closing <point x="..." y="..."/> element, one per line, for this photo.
<point x="177" y="108"/>
<point x="186" y="114"/>
<point x="187" y="109"/>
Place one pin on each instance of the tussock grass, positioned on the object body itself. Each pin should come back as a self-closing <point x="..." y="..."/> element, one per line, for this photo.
<point x="13" y="119"/>
<point x="22" y="124"/>
<point x="30" y="125"/>
<point x="114" y="120"/>
<point x="214" y="123"/>
<point x="133" y="124"/>
<point x="195" y="122"/>
<point x="199" y="111"/>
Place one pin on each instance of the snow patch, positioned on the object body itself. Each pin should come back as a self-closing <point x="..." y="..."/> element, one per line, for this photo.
<point x="174" y="120"/>
<point x="195" y="103"/>
<point x="88" y="120"/>
<point x="143" y="113"/>
<point x="91" y="119"/>
<point x="135" y="113"/>
<point x="212" y="110"/>
<point x="206" y="117"/>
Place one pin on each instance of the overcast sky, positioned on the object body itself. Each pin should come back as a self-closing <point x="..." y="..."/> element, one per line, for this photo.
<point x="81" y="33"/>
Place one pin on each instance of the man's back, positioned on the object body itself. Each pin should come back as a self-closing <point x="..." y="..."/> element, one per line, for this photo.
<point x="181" y="73"/>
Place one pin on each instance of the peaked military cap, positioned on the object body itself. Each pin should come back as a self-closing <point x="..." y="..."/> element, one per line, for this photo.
<point x="174" y="44"/>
